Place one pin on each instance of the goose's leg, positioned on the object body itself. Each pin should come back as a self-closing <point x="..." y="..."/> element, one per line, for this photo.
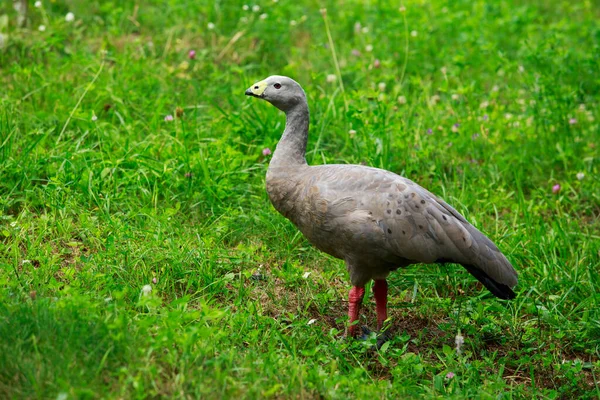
<point x="354" y="299"/>
<point x="380" y="289"/>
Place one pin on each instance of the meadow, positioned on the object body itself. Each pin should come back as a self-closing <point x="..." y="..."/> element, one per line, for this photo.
<point x="141" y="258"/>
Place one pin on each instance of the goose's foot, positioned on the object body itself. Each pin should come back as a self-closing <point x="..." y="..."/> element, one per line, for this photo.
<point x="382" y="337"/>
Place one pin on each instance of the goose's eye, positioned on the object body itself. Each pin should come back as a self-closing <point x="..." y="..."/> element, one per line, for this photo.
<point x="277" y="86"/>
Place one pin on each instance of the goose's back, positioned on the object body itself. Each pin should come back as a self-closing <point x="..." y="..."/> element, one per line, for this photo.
<point x="378" y="221"/>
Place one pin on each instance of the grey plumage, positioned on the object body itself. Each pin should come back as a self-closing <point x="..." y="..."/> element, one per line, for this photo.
<point x="374" y="220"/>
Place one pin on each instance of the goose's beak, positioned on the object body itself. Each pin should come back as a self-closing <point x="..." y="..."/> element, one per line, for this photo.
<point x="257" y="90"/>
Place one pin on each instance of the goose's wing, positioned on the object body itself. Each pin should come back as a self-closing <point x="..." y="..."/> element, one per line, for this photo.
<point x="395" y="215"/>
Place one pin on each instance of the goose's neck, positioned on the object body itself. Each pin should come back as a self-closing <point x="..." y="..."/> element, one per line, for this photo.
<point x="291" y="149"/>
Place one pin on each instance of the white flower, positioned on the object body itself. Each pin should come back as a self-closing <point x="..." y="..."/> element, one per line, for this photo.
<point x="256" y="8"/>
<point x="402" y="9"/>
<point x="275" y="1"/>
<point x="529" y="121"/>
<point x="459" y="340"/>
<point x="42" y="28"/>
<point x="365" y="30"/>
<point x="312" y="321"/>
<point x="508" y="115"/>
<point x="434" y="99"/>
<point x="582" y="107"/>
<point x="381" y="86"/>
<point x="352" y="132"/>
<point x="29" y="261"/>
<point x="521" y="101"/>
<point x="146" y="290"/>
<point x="210" y="26"/>
<point x="306" y="275"/>
<point x="455" y="96"/>
<point x="94" y="118"/>
<point x="495" y="88"/>
<point x="414" y="33"/>
<point x="444" y="70"/>
<point x="70" y="17"/>
<point x="293" y="22"/>
<point x="580" y="176"/>
<point x="38" y="4"/>
<point x="369" y="48"/>
<point x="401" y="100"/>
<point x="521" y="69"/>
<point x="484" y="104"/>
<point x="245" y="7"/>
<point x="263" y="16"/>
<point x="331" y="78"/>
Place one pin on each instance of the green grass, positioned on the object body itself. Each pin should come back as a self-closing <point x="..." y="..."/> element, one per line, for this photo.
<point x="91" y="210"/>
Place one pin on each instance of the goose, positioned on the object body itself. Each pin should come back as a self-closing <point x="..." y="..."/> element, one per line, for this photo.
<point x="373" y="219"/>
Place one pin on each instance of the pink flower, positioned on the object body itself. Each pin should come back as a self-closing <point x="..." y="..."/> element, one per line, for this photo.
<point x="168" y="118"/>
<point x="572" y="121"/>
<point x="376" y="63"/>
<point x="355" y="53"/>
<point x="450" y="375"/>
<point x="556" y="188"/>
<point x="192" y="54"/>
<point x="266" y="151"/>
<point x="154" y="280"/>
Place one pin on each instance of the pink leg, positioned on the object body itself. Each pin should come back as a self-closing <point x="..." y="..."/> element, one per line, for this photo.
<point x="380" y="289"/>
<point x="354" y="298"/>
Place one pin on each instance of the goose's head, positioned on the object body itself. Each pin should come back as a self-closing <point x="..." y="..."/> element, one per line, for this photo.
<point x="281" y="91"/>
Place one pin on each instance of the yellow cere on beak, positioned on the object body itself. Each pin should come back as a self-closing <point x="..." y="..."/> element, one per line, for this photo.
<point x="258" y="88"/>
